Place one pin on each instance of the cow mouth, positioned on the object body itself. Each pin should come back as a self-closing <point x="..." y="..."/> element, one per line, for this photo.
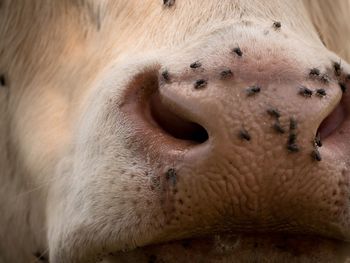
<point x="239" y="248"/>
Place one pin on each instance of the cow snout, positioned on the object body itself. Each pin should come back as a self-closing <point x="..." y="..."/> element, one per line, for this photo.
<point x="240" y="138"/>
<point x="238" y="133"/>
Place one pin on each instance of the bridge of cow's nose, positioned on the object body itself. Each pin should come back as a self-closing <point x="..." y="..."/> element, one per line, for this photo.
<point x="233" y="140"/>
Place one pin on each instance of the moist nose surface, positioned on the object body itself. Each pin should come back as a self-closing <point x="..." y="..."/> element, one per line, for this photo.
<point x="254" y="164"/>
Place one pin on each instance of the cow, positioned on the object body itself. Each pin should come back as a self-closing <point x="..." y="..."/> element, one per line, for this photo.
<point x="174" y="131"/>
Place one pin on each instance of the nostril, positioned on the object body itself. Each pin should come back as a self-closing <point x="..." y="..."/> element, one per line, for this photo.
<point x="154" y="119"/>
<point x="175" y="125"/>
<point x="332" y="121"/>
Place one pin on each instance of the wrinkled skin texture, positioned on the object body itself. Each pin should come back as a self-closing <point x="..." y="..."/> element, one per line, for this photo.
<point x="100" y="161"/>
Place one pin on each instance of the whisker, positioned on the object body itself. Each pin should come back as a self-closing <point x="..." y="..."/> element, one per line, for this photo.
<point x="37" y="188"/>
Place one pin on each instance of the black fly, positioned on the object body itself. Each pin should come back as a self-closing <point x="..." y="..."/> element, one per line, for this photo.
<point x="237" y="51"/>
<point x="277" y="25"/>
<point x="278" y="128"/>
<point x="166" y="75"/>
<point x="196" y="64"/>
<point x="274" y="113"/>
<point x="291" y="144"/>
<point x="325" y="79"/>
<point x="227" y="73"/>
<point x="168" y="3"/>
<point x="321" y="92"/>
<point x="305" y="92"/>
<point x="314" y="72"/>
<point x="253" y="90"/>
<point x="200" y="84"/>
<point x="337" y="68"/>
<point x="317" y="140"/>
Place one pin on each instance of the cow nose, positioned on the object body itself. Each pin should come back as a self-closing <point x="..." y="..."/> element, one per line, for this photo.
<point x="231" y="143"/>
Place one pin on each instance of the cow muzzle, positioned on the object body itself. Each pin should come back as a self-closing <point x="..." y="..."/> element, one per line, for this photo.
<point x="245" y="132"/>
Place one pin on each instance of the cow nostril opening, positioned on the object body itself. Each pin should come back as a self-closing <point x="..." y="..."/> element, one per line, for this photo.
<point x="147" y="109"/>
<point x="332" y="122"/>
<point x="175" y="125"/>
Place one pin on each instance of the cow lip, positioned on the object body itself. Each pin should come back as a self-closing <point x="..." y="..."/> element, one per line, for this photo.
<point x="228" y="245"/>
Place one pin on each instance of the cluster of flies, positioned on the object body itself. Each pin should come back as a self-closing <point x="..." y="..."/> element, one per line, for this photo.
<point x="253" y="90"/>
<point x="292" y="145"/>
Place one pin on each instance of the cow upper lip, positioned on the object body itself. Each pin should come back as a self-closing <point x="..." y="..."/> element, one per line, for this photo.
<point x="280" y="243"/>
